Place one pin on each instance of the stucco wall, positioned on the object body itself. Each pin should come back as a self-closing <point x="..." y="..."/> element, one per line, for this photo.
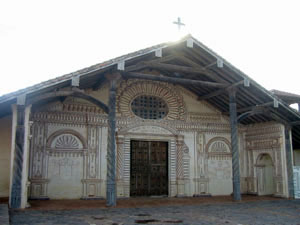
<point x="297" y="157"/>
<point x="5" y="146"/>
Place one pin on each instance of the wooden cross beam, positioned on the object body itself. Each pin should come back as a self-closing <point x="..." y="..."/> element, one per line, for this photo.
<point x="219" y="92"/>
<point x="176" y="68"/>
<point x="240" y="110"/>
<point x="173" y="80"/>
<point x="142" y="65"/>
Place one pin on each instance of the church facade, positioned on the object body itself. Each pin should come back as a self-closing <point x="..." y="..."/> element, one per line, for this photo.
<point x="166" y="115"/>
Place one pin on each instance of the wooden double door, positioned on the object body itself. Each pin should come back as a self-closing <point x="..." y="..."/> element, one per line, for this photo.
<point x="149" y="168"/>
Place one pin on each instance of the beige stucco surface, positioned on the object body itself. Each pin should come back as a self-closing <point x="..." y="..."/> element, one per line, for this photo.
<point x="297" y="157"/>
<point x="5" y="146"/>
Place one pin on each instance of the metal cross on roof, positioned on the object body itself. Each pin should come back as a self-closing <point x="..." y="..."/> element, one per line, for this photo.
<point x="179" y="23"/>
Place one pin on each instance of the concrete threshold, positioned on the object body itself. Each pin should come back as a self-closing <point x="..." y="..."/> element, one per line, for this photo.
<point x="4" y="216"/>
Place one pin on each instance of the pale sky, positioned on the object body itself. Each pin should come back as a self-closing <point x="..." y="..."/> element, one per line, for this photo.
<point x="40" y="40"/>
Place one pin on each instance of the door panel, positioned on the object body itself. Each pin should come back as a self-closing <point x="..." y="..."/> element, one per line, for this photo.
<point x="149" y="170"/>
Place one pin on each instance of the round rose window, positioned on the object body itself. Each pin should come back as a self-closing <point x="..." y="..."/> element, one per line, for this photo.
<point x="149" y="107"/>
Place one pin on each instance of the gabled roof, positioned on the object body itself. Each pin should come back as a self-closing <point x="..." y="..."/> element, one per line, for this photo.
<point x="289" y="98"/>
<point x="200" y="63"/>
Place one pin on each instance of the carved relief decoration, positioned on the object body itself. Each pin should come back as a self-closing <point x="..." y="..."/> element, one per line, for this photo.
<point x="66" y="139"/>
<point x="130" y="89"/>
<point x="265" y="138"/>
<point x="207" y="117"/>
<point x="220" y="169"/>
<point x="72" y="104"/>
<point x="218" y="148"/>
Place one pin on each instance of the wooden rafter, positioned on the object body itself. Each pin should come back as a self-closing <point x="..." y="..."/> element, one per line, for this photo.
<point x="176" y="68"/>
<point x="172" y="79"/>
<point x="142" y="65"/>
<point x="251" y="107"/>
<point x="75" y="92"/>
<point x="219" y="92"/>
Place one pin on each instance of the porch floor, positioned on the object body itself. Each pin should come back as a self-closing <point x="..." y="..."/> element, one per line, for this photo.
<point x="138" y="202"/>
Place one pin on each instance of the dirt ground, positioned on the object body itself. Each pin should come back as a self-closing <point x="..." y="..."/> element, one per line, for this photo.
<point x="137" y="202"/>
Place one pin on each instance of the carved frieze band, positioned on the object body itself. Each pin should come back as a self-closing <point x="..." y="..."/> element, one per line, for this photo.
<point x="75" y="119"/>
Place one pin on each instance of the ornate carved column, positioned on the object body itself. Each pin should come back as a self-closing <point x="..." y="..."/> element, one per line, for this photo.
<point x="111" y="147"/>
<point x="179" y="168"/>
<point x="120" y="163"/>
<point x="19" y="181"/>
<point x="234" y="146"/>
<point x="289" y="163"/>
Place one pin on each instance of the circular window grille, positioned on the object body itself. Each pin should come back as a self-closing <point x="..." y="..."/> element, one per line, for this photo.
<point x="149" y="107"/>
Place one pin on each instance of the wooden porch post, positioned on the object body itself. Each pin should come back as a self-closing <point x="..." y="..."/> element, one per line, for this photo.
<point x="289" y="163"/>
<point x="19" y="172"/>
<point x="111" y="147"/>
<point x="234" y="146"/>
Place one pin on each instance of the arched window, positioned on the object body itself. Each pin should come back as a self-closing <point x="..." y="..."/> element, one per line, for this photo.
<point x="149" y="107"/>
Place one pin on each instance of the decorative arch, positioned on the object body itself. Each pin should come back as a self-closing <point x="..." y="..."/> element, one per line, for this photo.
<point x="261" y="155"/>
<point x="130" y="89"/>
<point x="69" y="141"/>
<point x="220" y="140"/>
<point x="264" y="169"/>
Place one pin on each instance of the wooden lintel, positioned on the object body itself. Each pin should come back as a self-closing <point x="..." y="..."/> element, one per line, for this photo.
<point x="176" y="68"/>
<point x="219" y="92"/>
<point x="173" y="80"/>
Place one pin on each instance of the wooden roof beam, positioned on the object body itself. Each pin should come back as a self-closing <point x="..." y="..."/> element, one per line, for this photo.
<point x="177" y="68"/>
<point x="172" y="79"/>
<point x="142" y="65"/>
<point x="221" y="91"/>
<point x="240" y="110"/>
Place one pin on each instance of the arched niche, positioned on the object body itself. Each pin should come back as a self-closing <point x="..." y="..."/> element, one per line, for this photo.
<point x="265" y="174"/>
<point x="65" y="164"/>
<point x="218" y="150"/>
<point x="66" y="139"/>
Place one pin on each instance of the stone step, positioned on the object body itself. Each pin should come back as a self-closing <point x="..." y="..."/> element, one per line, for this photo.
<point x="4" y="217"/>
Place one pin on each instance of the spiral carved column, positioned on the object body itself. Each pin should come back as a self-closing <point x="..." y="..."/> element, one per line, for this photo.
<point x="120" y="165"/>
<point x="289" y="163"/>
<point x="111" y="148"/>
<point x="16" y="190"/>
<point x="179" y="168"/>
<point x="234" y="146"/>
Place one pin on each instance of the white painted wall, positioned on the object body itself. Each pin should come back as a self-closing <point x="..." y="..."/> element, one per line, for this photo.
<point x="5" y="154"/>
<point x="297" y="157"/>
